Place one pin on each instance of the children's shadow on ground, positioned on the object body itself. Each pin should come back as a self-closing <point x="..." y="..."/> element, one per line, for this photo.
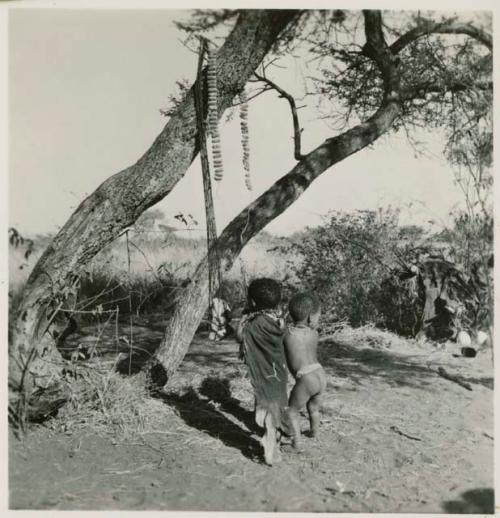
<point x="219" y="391"/>
<point x="474" y="501"/>
<point x="200" y="414"/>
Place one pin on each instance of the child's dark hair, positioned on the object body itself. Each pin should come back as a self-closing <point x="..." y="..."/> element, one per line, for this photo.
<point x="302" y="305"/>
<point x="265" y="293"/>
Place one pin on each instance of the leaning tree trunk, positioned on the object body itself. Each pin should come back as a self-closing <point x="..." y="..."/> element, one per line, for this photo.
<point x="119" y="201"/>
<point x="193" y="303"/>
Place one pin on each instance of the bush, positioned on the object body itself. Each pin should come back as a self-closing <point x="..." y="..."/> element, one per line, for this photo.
<point x="470" y="243"/>
<point x="350" y="263"/>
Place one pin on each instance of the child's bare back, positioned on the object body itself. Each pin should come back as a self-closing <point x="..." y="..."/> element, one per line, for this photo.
<point x="301" y="346"/>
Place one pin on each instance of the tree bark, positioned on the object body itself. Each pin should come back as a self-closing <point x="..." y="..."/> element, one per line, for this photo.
<point x="119" y="201"/>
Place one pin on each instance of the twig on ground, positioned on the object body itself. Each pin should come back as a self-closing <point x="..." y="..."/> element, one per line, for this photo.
<point x="398" y="431"/>
<point x="128" y="471"/>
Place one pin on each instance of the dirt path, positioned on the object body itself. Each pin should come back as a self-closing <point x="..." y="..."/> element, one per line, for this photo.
<point x="396" y="437"/>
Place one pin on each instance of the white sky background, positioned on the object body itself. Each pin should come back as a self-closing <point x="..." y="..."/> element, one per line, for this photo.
<point x="85" y="91"/>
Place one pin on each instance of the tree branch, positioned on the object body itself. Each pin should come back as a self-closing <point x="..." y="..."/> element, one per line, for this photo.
<point x="376" y="48"/>
<point x="420" y="90"/>
<point x="250" y="97"/>
<point x="427" y="27"/>
<point x="296" y="125"/>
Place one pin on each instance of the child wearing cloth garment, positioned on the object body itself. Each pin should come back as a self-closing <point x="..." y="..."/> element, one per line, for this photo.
<point x="301" y="345"/>
<point x="261" y="336"/>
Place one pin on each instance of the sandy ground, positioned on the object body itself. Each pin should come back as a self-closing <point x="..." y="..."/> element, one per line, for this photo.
<point x="395" y="437"/>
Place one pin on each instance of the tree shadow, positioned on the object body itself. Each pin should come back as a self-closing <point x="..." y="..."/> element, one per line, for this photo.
<point x="358" y="364"/>
<point x="484" y="381"/>
<point x="219" y="391"/>
<point x="203" y="353"/>
<point x="213" y="358"/>
<point x="135" y="358"/>
<point x="200" y="414"/>
<point x="474" y="501"/>
<point x="133" y="347"/>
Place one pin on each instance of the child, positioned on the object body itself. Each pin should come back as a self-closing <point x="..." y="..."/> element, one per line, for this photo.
<point x="261" y="336"/>
<point x="221" y="316"/>
<point x="301" y="344"/>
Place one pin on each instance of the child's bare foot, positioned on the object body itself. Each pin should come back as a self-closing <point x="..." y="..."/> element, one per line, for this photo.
<point x="269" y="441"/>
<point x="297" y="446"/>
<point x="297" y="450"/>
<point x="277" y="456"/>
<point x="314" y="421"/>
<point x="268" y="444"/>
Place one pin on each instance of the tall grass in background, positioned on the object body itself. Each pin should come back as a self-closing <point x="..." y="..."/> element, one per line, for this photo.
<point x="351" y="262"/>
<point x="143" y="272"/>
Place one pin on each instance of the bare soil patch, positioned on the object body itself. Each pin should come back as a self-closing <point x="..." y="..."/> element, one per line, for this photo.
<point x="395" y="437"/>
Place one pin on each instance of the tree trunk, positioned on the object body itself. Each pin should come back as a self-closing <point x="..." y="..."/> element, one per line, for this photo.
<point x="193" y="302"/>
<point x="119" y="201"/>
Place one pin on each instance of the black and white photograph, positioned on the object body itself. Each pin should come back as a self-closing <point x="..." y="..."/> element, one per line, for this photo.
<point x="249" y="257"/>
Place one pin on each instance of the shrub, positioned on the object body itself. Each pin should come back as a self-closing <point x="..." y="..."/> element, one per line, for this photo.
<point x="350" y="262"/>
<point x="470" y="242"/>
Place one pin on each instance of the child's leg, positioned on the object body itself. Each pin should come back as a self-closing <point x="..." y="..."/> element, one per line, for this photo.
<point x="269" y="441"/>
<point x="314" y="404"/>
<point x="298" y="398"/>
<point x="313" y="408"/>
<point x="294" y="422"/>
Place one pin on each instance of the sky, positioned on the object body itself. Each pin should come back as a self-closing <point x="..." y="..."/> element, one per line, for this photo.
<point x="85" y="90"/>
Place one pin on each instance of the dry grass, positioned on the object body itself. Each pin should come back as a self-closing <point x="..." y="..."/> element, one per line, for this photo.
<point x="109" y="404"/>
<point x="143" y="278"/>
<point x="371" y="336"/>
<point x="145" y="274"/>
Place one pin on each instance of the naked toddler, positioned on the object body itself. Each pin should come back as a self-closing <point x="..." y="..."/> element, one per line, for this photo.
<point x="301" y="345"/>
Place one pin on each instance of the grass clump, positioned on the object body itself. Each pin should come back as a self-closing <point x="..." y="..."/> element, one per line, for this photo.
<point x="108" y="403"/>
